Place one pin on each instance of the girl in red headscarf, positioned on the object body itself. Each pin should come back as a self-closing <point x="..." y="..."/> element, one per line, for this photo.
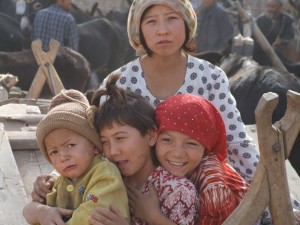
<point x="192" y="143"/>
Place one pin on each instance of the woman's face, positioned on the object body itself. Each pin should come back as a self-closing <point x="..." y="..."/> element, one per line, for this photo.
<point x="128" y="149"/>
<point x="163" y="30"/>
<point x="178" y="153"/>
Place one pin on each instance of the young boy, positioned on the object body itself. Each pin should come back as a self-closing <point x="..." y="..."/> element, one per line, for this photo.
<point x="128" y="132"/>
<point x="69" y="141"/>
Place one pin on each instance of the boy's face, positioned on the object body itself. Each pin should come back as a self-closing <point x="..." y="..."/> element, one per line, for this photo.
<point x="128" y="149"/>
<point x="178" y="153"/>
<point x="70" y="153"/>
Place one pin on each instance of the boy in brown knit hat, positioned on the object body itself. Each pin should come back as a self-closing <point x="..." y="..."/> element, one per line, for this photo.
<point x="69" y="141"/>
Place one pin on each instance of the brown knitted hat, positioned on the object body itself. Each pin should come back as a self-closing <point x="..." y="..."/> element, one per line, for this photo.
<point x="69" y="109"/>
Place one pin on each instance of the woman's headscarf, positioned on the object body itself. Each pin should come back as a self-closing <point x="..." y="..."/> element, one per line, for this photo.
<point x="137" y="9"/>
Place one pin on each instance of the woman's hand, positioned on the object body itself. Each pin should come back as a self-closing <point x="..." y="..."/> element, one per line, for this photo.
<point x="42" y="186"/>
<point x="104" y="216"/>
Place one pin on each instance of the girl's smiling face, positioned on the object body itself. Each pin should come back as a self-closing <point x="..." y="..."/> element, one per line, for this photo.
<point x="178" y="153"/>
<point x="70" y="153"/>
<point x="163" y="30"/>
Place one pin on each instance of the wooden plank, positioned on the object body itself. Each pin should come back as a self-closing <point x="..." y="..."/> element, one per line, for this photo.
<point x="270" y="184"/>
<point x="24" y="116"/>
<point x="43" y="104"/>
<point x="21" y="140"/>
<point x="293" y="178"/>
<point x="31" y="164"/>
<point x="12" y="193"/>
<point x="46" y="70"/>
<point x="272" y="153"/>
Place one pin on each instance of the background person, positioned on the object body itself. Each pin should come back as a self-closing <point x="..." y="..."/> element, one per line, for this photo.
<point x="277" y="27"/>
<point x="56" y="23"/>
<point x="215" y="30"/>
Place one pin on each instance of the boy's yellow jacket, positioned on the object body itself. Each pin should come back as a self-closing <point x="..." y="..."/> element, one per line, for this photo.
<point x="101" y="185"/>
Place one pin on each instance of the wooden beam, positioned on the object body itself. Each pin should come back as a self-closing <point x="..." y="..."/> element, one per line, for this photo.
<point x="12" y="193"/>
<point x="21" y="140"/>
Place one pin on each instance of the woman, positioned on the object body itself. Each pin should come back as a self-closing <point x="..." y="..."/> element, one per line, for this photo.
<point x="163" y="32"/>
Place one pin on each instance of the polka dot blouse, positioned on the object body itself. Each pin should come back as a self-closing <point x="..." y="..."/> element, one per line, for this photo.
<point x="209" y="81"/>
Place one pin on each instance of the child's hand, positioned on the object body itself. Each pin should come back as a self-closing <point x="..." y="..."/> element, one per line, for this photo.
<point x="42" y="186"/>
<point x="53" y="216"/>
<point x="104" y="216"/>
<point x="139" y="204"/>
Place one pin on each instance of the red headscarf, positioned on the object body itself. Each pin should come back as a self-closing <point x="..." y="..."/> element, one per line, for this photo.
<point x="196" y="117"/>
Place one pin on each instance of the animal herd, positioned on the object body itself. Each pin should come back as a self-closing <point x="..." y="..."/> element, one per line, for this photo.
<point x="104" y="47"/>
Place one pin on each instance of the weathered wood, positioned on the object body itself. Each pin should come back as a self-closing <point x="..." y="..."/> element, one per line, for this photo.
<point x="290" y="123"/>
<point x="46" y="70"/>
<point x="270" y="185"/>
<point x="21" y="140"/>
<point x="16" y="116"/>
<point x="26" y="118"/>
<point x="292" y="176"/>
<point x="31" y="164"/>
<point x="12" y="194"/>
<point x="273" y="158"/>
<point x="39" y="102"/>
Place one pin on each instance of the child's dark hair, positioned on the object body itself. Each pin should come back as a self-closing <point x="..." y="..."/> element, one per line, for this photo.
<point x="122" y="107"/>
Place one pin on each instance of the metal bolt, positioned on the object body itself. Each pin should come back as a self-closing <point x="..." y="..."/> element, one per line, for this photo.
<point x="276" y="147"/>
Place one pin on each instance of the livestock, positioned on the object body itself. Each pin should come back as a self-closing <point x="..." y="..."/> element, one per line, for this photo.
<point x="249" y="81"/>
<point x="71" y="66"/>
<point x="260" y="57"/>
<point x="8" y="7"/>
<point x="104" y="44"/>
<point x="11" y="38"/>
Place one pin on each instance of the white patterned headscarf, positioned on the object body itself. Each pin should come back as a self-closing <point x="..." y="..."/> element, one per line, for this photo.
<point x="137" y="9"/>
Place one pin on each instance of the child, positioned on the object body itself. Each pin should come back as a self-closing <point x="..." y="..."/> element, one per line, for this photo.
<point x="192" y="143"/>
<point x="69" y="141"/>
<point x="128" y="132"/>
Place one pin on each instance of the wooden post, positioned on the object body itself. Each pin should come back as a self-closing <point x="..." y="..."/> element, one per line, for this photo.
<point x="12" y="193"/>
<point x="270" y="186"/>
<point x="46" y="69"/>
